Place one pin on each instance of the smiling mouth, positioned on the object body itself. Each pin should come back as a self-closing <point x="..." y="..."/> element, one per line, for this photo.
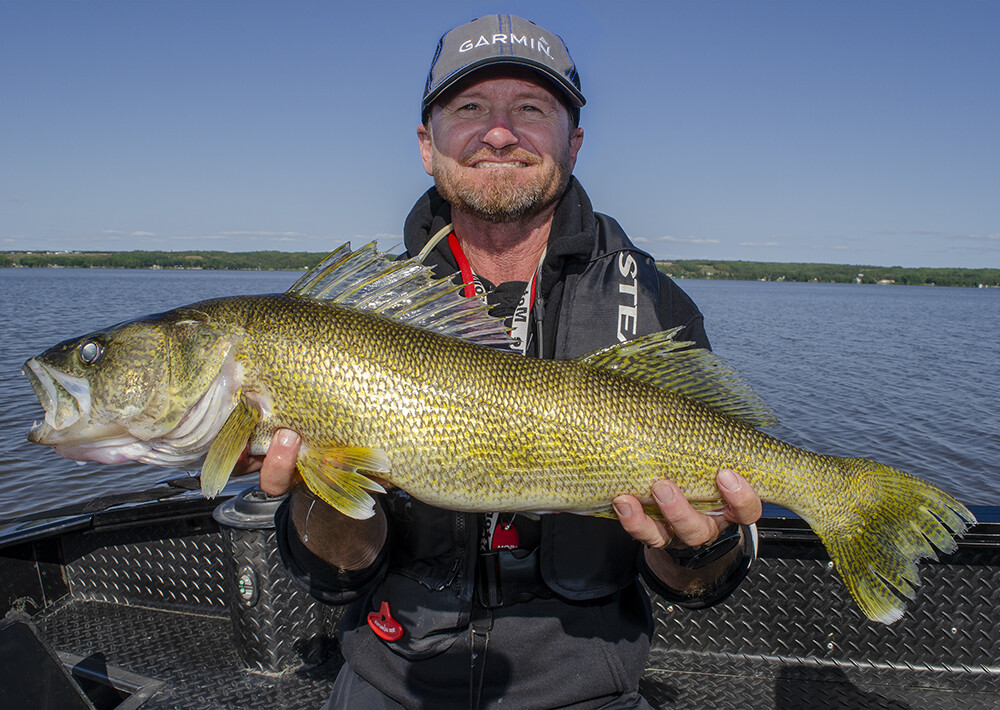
<point x="493" y="164"/>
<point x="490" y="160"/>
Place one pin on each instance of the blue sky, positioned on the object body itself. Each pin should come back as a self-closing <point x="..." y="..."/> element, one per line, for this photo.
<point x="856" y="131"/>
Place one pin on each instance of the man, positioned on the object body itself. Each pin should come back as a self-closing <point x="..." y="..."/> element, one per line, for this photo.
<point x="462" y="610"/>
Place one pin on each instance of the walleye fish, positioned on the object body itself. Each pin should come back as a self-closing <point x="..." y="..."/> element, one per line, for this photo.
<point x="385" y="371"/>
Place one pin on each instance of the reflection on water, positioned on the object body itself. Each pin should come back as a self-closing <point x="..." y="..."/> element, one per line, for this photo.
<point x="905" y="375"/>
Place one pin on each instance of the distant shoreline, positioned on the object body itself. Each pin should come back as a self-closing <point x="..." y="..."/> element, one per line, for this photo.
<point x="678" y="268"/>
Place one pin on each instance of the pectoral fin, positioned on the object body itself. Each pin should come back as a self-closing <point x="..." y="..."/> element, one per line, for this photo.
<point x="332" y="474"/>
<point x="227" y="447"/>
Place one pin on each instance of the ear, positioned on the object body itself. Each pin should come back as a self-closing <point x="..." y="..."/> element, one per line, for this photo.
<point x="426" y="144"/>
<point x="575" y="142"/>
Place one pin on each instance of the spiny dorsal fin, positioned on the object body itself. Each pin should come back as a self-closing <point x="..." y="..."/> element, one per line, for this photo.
<point x="698" y="374"/>
<point x="404" y="290"/>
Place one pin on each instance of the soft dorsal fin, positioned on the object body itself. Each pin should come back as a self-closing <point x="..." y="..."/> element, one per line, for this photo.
<point x="698" y="374"/>
<point x="404" y="290"/>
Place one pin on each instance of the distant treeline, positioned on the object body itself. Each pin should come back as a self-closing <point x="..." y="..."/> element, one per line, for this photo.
<point x="222" y="260"/>
<point x="686" y="269"/>
<point x="829" y="273"/>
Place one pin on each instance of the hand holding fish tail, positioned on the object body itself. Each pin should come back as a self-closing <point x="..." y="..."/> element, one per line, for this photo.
<point x="681" y="524"/>
<point x="700" y="578"/>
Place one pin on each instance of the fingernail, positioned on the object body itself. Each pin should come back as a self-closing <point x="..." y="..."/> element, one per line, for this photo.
<point x="286" y="437"/>
<point x="623" y="509"/>
<point x="664" y="492"/>
<point x="729" y="480"/>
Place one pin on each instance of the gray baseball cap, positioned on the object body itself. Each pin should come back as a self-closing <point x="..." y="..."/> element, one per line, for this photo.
<point x="501" y="39"/>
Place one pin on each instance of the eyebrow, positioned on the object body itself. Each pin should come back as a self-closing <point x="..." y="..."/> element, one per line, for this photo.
<point x="538" y="93"/>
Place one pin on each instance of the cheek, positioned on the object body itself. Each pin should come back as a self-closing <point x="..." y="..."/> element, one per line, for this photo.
<point x="131" y="395"/>
<point x="133" y="392"/>
<point x="456" y="140"/>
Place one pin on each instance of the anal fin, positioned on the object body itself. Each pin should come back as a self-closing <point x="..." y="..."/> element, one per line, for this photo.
<point x="709" y="506"/>
<point x="332" y="474"/>
<point x="227" y="447"/>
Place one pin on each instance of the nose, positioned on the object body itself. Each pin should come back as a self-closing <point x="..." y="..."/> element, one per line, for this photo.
<point x="501" y="133"/>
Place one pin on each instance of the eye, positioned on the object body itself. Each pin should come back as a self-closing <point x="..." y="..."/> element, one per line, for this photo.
<point x="90" y="352"/>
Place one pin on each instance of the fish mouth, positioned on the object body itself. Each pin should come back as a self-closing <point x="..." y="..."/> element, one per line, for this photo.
<point x="68" y="427"/>
<point x="65" y="398"/>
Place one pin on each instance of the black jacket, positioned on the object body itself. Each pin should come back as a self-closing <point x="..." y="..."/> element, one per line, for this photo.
<point x="596" y="288"/>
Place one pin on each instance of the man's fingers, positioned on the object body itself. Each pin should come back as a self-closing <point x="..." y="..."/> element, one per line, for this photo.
<point x="277" y="473"/>
<point x="690" y="527"/>
<point x="682" y="524"/>
<point x="639" y="525"/>
<point x="742" y="502"/>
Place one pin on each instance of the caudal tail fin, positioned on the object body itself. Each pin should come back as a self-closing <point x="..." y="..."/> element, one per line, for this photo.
<point x="891" y="521"/>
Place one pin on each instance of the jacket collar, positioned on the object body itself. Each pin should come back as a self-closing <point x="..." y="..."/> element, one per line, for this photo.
<point x="573" y="235"/>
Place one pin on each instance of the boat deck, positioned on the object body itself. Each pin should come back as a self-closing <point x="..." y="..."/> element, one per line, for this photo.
<point x="149" y="604"/>
<point x="193" y="654"/>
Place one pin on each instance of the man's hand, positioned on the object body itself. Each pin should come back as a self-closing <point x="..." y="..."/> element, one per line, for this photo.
<point x="684" y="526"/>
<point x="277" y="467"/>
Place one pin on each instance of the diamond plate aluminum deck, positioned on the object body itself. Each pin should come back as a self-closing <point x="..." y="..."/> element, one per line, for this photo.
<point x="276" y="624"/>
<point x="751" y="684"/>
<point x="162" y="565"/>
<point x="195" y="655"/>
<point x="151" y="598"/>
<point x="791" y="637"/>
<point x="798" y="608"/>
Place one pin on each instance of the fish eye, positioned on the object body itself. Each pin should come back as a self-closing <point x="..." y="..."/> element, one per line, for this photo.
<point x="90" y="352"/>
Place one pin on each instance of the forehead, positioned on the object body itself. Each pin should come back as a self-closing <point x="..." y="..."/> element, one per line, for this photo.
<point x="503" y="78"/>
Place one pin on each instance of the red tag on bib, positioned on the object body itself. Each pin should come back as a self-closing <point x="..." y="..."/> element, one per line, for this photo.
<point x="505" y="537"/>
<point x="384" y="626"/>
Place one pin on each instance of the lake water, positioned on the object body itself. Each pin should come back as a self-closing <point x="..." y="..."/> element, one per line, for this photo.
<point x="909" y="376"/>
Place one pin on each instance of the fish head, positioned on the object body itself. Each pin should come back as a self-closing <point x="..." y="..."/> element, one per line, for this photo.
<point x="149" y="390"/>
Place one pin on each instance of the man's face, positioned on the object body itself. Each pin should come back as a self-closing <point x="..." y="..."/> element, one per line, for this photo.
<point x="500" y="145"/>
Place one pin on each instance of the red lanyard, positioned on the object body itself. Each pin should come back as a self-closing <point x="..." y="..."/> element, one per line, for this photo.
<point x="469" y="277"/>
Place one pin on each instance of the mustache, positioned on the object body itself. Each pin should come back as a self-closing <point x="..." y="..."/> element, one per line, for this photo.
<point x="518" y="154"/>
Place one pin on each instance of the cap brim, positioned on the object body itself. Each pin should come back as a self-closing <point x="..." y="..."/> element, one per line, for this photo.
<point x="572" y="93"/>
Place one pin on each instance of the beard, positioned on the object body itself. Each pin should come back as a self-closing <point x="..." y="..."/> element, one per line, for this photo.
<point x="501" y="195"/>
